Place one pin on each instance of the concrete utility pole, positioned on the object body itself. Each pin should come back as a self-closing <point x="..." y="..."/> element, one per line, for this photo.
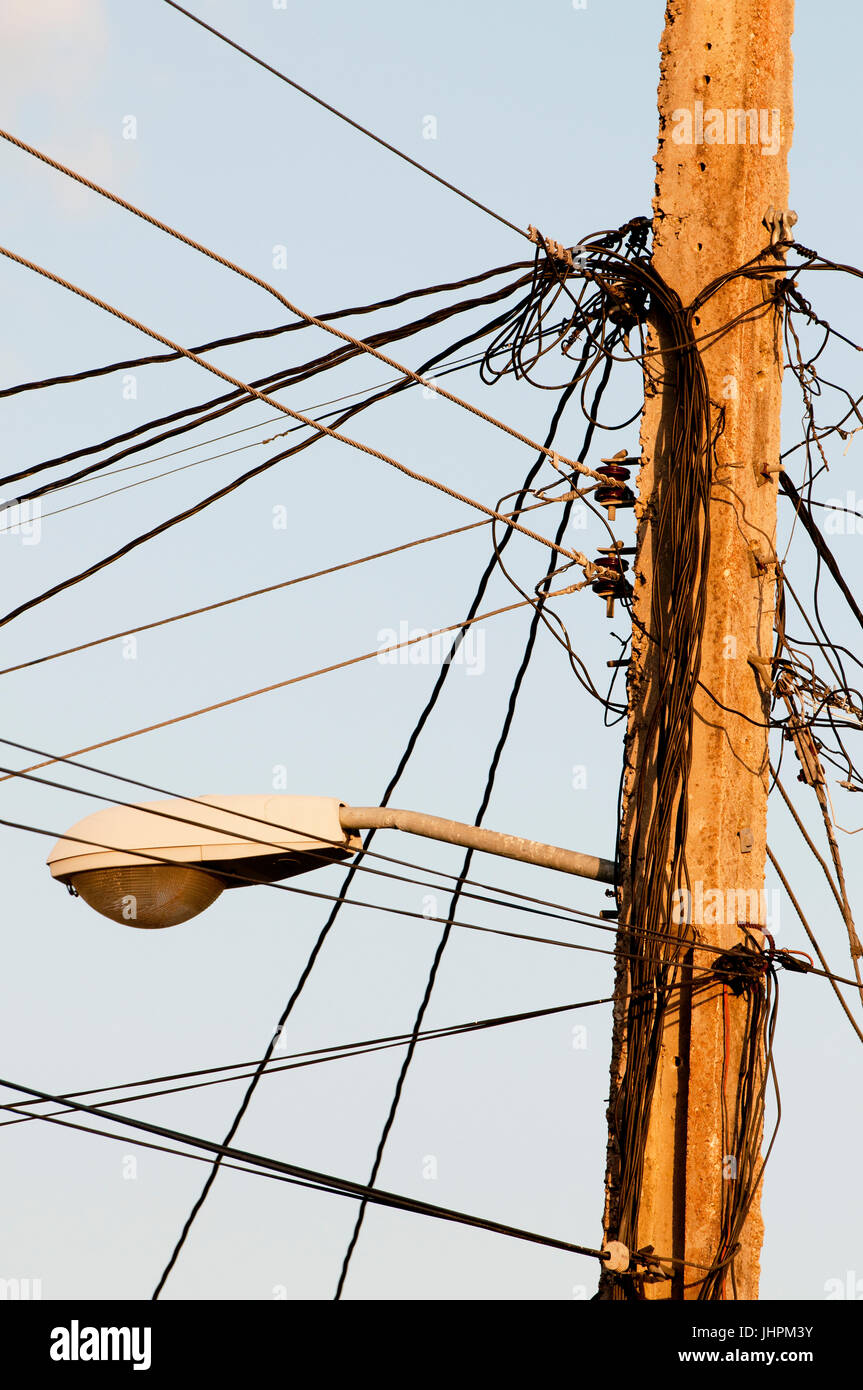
<point x="725" y="123"/>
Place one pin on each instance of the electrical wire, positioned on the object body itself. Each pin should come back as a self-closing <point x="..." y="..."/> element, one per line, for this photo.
<point x="483" y="806"/>
<point x="337" y="1052"/>
<point x="275" y="381"/>
<point x="458" y="365"/>
<point x="257" y="593"/>
<point x="323" y="1181"/>
<point x="522" y="902"/>
<point x="347" y="119"/>
<point x="291" y="680"/>
<point x="278" y="405"/>
<point x="255" y="335"/>
<point x="327" y="325"/>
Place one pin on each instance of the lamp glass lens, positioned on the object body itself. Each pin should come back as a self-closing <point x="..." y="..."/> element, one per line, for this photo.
<point x="148" y="895"/>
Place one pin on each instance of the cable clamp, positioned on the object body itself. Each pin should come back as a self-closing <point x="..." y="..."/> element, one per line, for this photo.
<point x="779" y="222"/>
<point x="555" y="250"/>
<point x="741" y="966"/>
<point x="651" y="1270"/>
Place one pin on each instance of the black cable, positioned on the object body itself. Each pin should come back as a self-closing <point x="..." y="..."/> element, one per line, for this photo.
<point x="224" y="490"/>
<point x="313" y="1057"/>
<point x="272" y="382"/>
<point x="484" y="802"/>
<point x="559" y="911"/>
<point x="323" y="1181"/>
<point x="331" y="919"/>
<point x="247" y="880"/>
<point x="259" y="333"/>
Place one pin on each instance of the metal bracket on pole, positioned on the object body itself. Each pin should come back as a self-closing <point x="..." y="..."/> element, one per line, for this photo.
<point x="758" y="563"/>
<point x="763" y="667"/>
<point x="453" y="832"/>
<point x="765" y="471"/>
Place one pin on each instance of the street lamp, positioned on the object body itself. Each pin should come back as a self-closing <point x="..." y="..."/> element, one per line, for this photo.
<point x="160" y="863"/>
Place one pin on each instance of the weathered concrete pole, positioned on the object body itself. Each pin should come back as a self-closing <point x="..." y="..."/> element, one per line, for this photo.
<point x="725" y="123"/>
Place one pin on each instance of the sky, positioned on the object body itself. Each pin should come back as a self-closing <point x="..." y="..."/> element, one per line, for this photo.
<point x="547" y="114"/>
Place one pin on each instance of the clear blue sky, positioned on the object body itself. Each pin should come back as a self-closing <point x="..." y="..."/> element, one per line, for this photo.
<point x="547" y="113"/>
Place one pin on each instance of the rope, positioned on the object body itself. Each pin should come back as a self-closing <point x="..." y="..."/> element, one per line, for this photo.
<point x="292" y="680"/>
<point x="358" y="343"/>
<point x="573" y="555"/>
<point x="256" y="593"/>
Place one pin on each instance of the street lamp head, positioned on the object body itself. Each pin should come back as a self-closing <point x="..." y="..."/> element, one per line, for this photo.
<point x="161" y="863"/>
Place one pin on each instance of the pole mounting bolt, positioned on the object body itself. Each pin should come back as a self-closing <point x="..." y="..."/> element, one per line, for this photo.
<point x="765" y="471"/>
<point x="760" y="564"/>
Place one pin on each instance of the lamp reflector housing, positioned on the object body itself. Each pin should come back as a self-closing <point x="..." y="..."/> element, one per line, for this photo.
<point x="198" y="848"/>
